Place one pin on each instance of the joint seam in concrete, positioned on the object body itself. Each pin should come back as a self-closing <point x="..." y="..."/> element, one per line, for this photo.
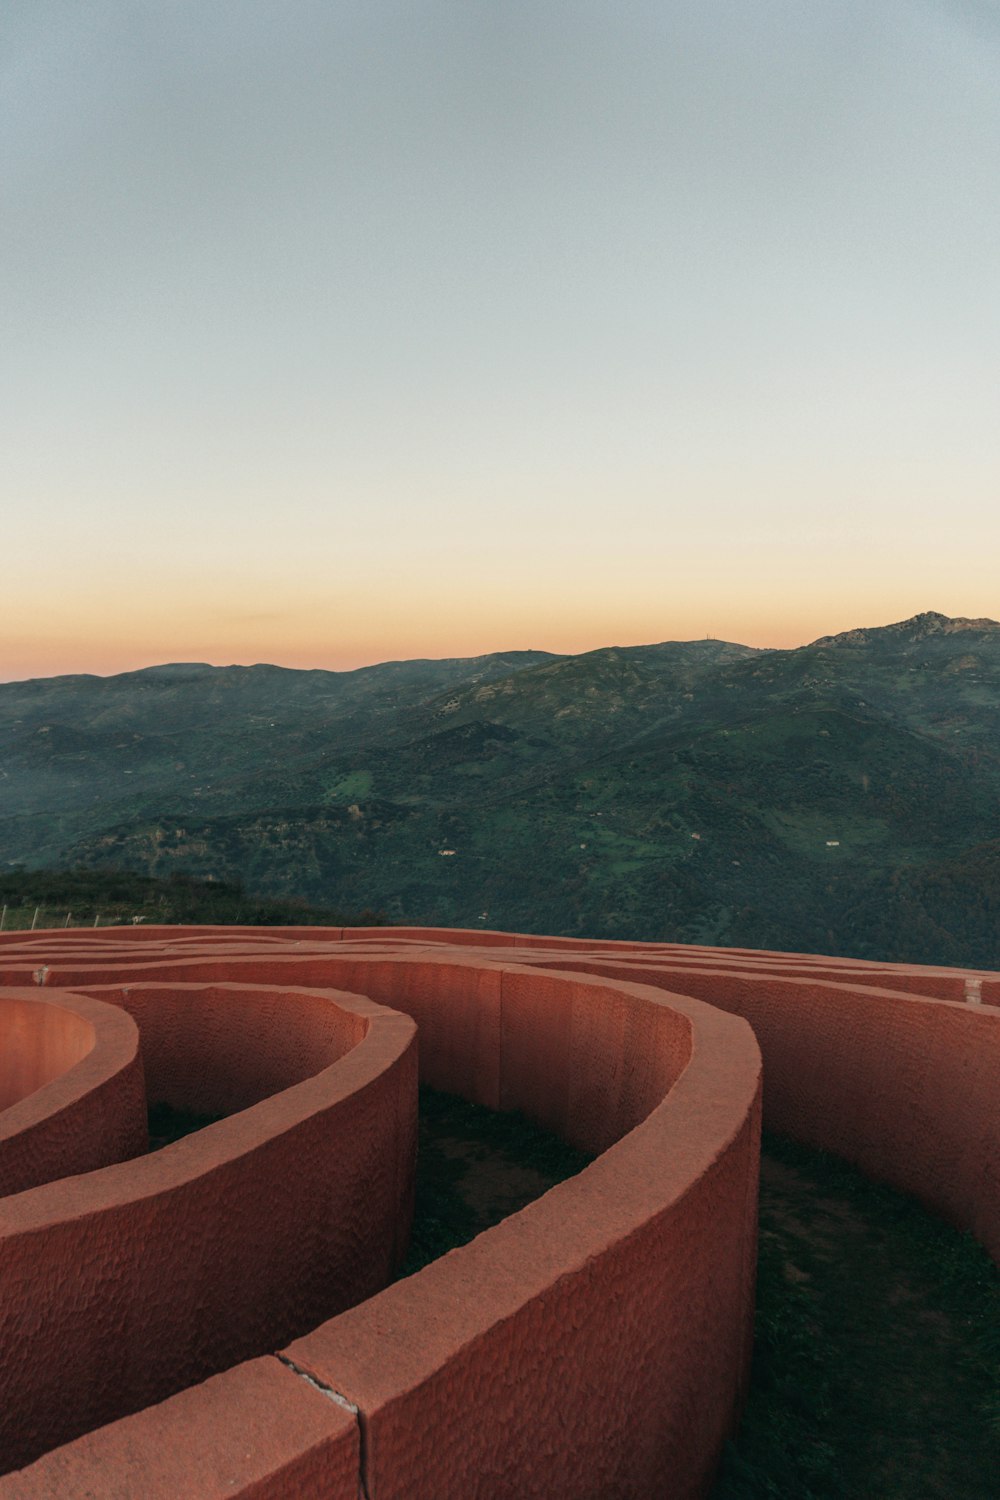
<point x="345" y="1405"/>
<point x="324" y="1390"/>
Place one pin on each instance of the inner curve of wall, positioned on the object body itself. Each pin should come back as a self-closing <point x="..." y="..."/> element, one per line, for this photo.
<point x="71" y="1086"/>
<point x="146" y="1277"/>
<point x="39" y="1042"/>
<point x="902" y="1085"/>
<point x="617" y="1075"/>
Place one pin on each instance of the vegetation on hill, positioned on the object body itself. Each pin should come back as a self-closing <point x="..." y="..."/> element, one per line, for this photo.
<point x="841" y="798"/>
<point x="85" y="897"/>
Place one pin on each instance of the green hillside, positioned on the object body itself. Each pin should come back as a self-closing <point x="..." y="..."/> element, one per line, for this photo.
<point x="842" y="797"/>
<point x="102" y="898"/>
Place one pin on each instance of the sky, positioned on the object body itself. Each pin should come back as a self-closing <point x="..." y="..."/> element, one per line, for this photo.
<point x="343" y="332"/>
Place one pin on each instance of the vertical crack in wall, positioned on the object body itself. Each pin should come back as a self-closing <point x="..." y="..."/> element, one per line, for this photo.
<point x="345" y="1405"/>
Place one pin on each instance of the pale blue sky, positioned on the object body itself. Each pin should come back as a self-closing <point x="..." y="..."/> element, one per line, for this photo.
<point x="336" y="331"/>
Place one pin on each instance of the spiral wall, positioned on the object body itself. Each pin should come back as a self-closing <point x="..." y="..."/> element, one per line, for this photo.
<point x="219" y="1317"/>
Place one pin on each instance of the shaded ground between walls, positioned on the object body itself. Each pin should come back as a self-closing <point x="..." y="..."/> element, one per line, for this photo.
<point x="877" y="1352"/>
<point x="167" y="1124"/>
<point x="474" y="1167"/>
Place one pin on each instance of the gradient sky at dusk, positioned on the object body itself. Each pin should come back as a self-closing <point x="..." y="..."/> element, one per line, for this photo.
<point x="336" y="332"/>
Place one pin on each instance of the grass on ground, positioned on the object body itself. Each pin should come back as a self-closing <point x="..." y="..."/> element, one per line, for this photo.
<point x="474" y="1167"/>
<point x="876" y="1370"/>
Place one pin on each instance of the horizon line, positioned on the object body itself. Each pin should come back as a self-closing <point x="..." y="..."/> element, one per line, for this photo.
<point x="969" y="622"/>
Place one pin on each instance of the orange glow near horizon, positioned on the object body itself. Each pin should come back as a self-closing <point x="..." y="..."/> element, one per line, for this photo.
<point x="110" y="638"/>
<point x="467" y="591"/>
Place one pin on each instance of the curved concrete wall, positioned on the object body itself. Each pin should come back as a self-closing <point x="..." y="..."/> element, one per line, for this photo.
<point x="147" y="1276"/>
<point x="71" y="1088"/>
<point x="39" y="1041"/>
<point x="902" y="1085"/>
<point x="597" y="1343"/>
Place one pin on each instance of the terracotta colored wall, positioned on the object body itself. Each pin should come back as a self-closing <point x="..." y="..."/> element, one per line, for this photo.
<point x="150" y="1275"/>
<point x="258" y="1432"/>
<point x="216" y="1050"/>
<point x="905" y="1087"/>
<point x="462" y="1354"/>
<point x="596" y="1344"/>
<point x="456" y="1006"/>
<point x="38" y="1043"/>
<point x="71" y="1088"/>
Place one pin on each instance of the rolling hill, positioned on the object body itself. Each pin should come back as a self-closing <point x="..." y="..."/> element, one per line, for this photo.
<point x="842" y="797"/>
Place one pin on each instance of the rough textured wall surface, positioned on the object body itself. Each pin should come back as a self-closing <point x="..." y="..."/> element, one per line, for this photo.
<point x="594" y="1345"/>
<point x="150" y="1275"/>
<point x="71" y="1088"/>
<point x="256" y="1431"/>
<point x="39" y="1042"/>
<point x="906" y="1087"/>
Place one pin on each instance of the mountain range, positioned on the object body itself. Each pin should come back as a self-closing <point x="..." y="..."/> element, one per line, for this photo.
<point x="842" y="797"/>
